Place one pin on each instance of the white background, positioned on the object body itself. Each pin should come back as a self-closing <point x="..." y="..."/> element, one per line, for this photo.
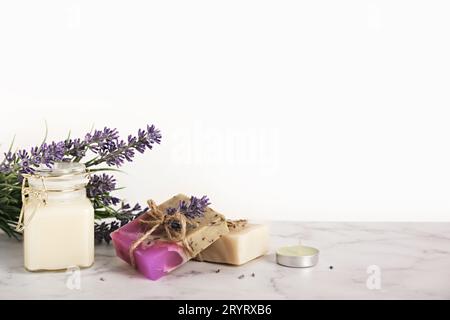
<point x="307" y="110"/>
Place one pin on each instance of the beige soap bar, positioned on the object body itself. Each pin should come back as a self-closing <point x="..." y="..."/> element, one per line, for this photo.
<point x="238" y="246"/>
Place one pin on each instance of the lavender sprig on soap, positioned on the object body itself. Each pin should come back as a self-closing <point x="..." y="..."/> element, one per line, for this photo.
<point x="194" y="208"/>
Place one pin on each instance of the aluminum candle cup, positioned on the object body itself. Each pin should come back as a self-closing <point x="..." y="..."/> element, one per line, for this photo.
<point x="297" y="256"/>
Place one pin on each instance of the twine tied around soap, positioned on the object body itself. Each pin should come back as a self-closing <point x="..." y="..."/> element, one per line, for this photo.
<point x="174" y="228"/>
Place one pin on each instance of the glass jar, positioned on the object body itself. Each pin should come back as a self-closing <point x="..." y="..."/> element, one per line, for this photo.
<point x="58" y="218"/>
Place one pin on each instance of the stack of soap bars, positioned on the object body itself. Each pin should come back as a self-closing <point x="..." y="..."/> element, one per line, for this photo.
<point x="149" y="246"/>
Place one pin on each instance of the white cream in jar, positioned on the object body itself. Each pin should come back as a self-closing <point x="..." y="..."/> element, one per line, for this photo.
<point x="58" y="219"/>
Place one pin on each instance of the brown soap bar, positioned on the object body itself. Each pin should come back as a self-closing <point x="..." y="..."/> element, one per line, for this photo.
<point x="209" y="227"/>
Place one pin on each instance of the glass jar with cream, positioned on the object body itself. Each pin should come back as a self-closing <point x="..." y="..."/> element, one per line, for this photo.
<point x="58" y="218"/>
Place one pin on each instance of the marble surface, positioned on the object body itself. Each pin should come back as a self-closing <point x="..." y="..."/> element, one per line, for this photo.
<point x="413" y="259"/>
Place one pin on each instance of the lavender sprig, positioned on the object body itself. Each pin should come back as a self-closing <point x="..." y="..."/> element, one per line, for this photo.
<point x="100" y="187"/>
<point x="26" y="162"/>
<point x="125" y="214"/>
<point x="194" y="208"/>
<point x="99" y="140"/>
<point x="105" y="146"/>
<point x="115" y="152"/>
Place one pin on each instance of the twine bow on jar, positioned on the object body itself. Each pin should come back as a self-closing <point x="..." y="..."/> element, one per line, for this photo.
<point x="40" y="195"/>
<point x="174" y="228"/>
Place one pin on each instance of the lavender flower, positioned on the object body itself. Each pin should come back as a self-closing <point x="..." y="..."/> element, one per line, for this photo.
<point x="100" y="186"/>
<point x="114" y="152"/>
<point x="194" y="208"/>
<point x="26" y="162"/>
<point x="99" y="142"/>
<point x="103" y="231"/>
<point x="125" y="214"/>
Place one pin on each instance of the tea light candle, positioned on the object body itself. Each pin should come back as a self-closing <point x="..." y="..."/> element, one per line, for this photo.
<point x="297" y="256"/>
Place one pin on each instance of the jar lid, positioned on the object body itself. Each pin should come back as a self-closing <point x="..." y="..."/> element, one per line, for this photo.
<point x="297" y="256"/>
<point x="60" y="169"/>
<point x="61" y="176"/>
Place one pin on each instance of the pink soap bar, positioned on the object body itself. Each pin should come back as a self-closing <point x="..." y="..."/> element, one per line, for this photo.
<point x="157" y="256"/>
<point x="153" y="260"/>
